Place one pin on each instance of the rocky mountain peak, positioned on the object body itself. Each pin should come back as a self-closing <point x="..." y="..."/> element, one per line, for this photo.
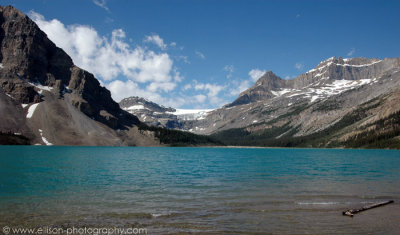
<point x="262" y="89"/>
<point x="30" y="61"/>
<point x="11" y="12"/>
<point x="135" y="102"/>
<point x="270" y="81"/>
<point x="325" y="73"/>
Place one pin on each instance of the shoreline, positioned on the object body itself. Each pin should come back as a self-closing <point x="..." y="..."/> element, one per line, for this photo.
<point x="203" y="146"/>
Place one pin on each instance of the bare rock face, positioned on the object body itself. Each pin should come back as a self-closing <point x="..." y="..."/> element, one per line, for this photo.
<point x="35" y="72"/>
<point x="28" y="57"/>
<point x="27" y="53"/>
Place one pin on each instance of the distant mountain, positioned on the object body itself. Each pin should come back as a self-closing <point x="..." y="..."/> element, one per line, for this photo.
<point x="325" y="74"/>
<point x="45" y="99"/>
<point x="157" y="115"/>
<point x="339" y="103"/>
<point x="263" y="89"/>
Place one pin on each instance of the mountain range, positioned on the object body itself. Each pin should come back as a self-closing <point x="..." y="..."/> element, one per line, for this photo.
<point x="340" y="103"/>
<point x="46" y="99"/>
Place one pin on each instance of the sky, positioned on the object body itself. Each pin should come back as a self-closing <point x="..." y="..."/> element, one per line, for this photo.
<point x="200" y="54"/>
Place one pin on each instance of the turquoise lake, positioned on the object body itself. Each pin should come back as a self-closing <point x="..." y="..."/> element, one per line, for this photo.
<point x="200" y="190"/>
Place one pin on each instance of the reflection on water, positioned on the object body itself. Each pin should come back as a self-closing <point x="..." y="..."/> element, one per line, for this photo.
<point x="210" y="190"/>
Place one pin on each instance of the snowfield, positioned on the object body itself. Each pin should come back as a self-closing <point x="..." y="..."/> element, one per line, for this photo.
<point x="191" y="114"/>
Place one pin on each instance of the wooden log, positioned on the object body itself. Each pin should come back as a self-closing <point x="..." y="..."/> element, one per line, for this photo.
<point x="364" y="208"/>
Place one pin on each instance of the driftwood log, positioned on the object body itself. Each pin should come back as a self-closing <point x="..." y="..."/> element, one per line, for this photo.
<point x="364" y="208"/>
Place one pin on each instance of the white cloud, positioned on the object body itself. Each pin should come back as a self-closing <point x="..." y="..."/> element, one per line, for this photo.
<point x="230" y="69"/>
<point x="163" y="86"/>
<point x="102" y="4"/>
<point x="187" y="87"/>
<point x="108" y="58"/>
<point x="255" y="74"/>
<point x="131" y="71"/>
<point x="200" y="98"/>
<point x="239" y="87"/>
<point x="201" y="55"/>
<point x="299" y="66"/>
<point x="213" y="91"/>
<point x="183" y="58"/>
<point x="122" y="89"/>
<point x="173" y="44"/>
<point x="351" y="52"/>
<point x="156" y="39"/>
<point x="177" y="75"/>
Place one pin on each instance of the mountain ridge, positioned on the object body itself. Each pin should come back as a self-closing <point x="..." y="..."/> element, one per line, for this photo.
<point x="330" y="69"/>
<point x="330" y="95"/>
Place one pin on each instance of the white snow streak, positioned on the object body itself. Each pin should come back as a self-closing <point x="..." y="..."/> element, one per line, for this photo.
<point x="31" y="110"/>
<point x="43" y="138"/>
<point x="281" y="92"/>
<point x="135" y="107"/>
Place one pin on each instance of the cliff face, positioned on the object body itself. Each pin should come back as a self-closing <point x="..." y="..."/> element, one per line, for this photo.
<point x="45" y="90"/>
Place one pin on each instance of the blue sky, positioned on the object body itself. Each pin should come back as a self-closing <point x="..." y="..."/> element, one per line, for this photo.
<point x="201" y="54"/>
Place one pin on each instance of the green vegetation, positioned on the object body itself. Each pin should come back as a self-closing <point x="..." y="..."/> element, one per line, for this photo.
<point x="10" y="138"/>
<point x="242" y="137"/>
<point x="385" y="134"/>
<point x="179" y="138"/>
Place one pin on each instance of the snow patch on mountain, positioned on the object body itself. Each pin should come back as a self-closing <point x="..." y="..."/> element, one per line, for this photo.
<point x="135" y="107"/>
<point x="330" y="61"/>
<point x="43" y="138"/>
<point x="191" y="114"/>
<point x="281" y="92"/>
<point x="334" y="88"/>
<point x="31" y="110"/>
<point x="359" y="65"/>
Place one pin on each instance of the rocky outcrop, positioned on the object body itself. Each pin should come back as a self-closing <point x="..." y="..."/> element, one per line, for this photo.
<point x="35" y="72"/>
<point x="134" y="101"/>
<point x="28" y="57"/>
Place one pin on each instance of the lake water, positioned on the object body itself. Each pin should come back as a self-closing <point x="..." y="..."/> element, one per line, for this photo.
<point x="200" y="190"/>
